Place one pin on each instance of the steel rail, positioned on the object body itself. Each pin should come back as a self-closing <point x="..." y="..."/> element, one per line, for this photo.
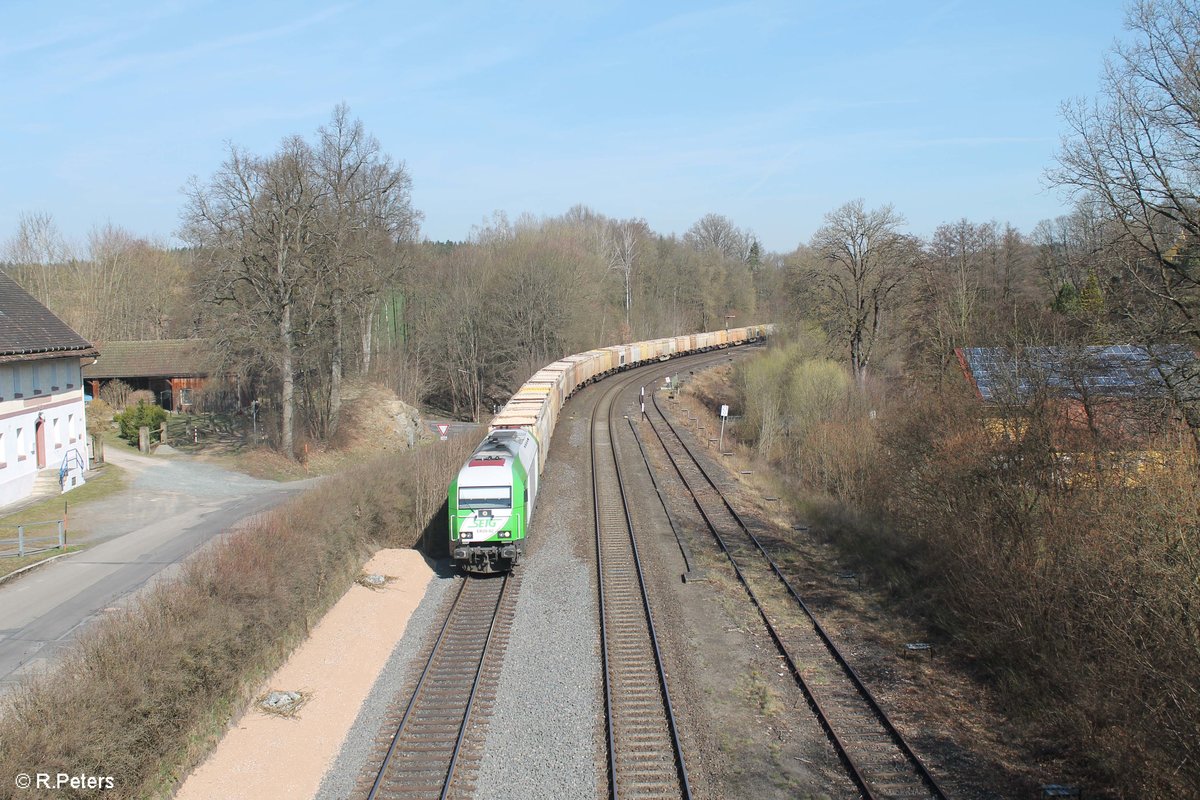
<point x="383" y="776"/>
<point x="872" y="703"/>
<point x="605" y="403"/>
<point x="823" y="717"/>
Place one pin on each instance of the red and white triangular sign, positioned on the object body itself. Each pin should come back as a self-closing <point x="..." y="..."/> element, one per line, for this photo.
<point x="443" y="429"/>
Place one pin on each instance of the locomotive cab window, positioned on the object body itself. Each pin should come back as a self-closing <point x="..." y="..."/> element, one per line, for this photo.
<point x="485" y="497"/>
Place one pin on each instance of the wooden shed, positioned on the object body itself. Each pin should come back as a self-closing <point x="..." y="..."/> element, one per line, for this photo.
<point x="174" y="369"/>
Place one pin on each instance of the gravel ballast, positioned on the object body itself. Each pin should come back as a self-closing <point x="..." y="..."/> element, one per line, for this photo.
<point x="542" y="733"/>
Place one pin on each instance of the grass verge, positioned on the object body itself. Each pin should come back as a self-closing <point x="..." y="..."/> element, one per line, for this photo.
<point x="10" y="565"/>
<point x="107" y="480"/>
<point x="144" y="693"/>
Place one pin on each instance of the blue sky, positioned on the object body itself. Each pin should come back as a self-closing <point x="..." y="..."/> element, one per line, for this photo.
<point x="771" y="113"/>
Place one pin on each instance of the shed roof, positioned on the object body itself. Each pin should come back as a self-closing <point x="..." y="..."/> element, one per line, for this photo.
<point x="1122" y="371"/>
<point x="30" y="331"/>
<point x="160" y="358"/>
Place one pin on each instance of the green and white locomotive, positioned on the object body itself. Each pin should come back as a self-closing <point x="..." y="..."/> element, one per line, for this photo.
<point x="491" y="501"/>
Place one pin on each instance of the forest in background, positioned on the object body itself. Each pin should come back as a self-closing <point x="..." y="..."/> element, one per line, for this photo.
<point x="307" y="264"/>
<point x="305" y="269"/>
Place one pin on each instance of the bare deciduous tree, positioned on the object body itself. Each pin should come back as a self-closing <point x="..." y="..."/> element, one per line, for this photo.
<point x="367" y="220"/>
<point x="254" y="221"/>
<point x="621" y="240"/>
<point x="717" y="233"/>
<point x="1136" y="149"/>
<point x="39" y="254"/>
<point x="863" y="259"/>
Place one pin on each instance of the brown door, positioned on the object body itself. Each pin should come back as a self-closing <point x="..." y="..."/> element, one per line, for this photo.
<point x="40" y="436"/>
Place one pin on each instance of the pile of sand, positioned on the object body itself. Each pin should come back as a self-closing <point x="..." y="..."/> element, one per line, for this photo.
<point x="374" y="418"/>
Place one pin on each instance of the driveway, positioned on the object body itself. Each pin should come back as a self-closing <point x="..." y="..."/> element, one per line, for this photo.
<point x="172" y="506"/>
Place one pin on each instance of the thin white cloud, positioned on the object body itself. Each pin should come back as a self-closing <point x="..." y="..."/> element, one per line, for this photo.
<point x="153" y="61"/>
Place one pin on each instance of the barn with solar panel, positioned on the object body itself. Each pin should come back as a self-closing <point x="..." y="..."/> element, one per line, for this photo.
<point x="1121" y="394"/>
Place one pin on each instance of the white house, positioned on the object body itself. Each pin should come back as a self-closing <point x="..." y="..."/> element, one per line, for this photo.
<point x="42" y="424"/>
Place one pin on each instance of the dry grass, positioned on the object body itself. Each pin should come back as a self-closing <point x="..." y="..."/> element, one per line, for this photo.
<point x="1075" y="597"/>
<point x="373" y="422"/>
<point x="108" y="479"/>
<point x="143" y="694"/>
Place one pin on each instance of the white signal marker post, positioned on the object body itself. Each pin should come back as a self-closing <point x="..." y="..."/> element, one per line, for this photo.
<point x="724" y="414"/>
<point x="643" y="402"/>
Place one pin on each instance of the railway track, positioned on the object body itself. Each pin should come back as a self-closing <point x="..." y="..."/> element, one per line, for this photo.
<point x="873" y="751"/>
<point x="426" y="756"/>
<point x="645" y="756"/>
<point x="427" y="750"/>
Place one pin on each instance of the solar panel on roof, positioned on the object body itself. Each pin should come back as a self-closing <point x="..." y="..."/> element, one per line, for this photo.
<point x="1116" y="370"/>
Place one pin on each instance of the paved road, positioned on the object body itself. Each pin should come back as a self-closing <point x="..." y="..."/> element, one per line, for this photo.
<point x="172" y="507"/>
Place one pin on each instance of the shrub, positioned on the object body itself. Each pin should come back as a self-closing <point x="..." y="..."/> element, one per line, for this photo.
<point x="1072" y="578"/>
<point x="143" y="692"/>
<point x="131" y="419"/>
<point x="1073" y="588"/>
<point x="140" y="396"/>
<point x="115" y="393"/>
<point x="99" y="416"/>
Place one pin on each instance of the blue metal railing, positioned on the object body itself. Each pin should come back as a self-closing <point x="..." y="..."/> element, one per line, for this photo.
<point x="71" y="459"/>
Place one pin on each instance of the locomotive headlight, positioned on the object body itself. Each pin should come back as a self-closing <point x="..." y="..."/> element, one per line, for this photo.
<point x="505" y="534"/>
<point x="465" y="535"/>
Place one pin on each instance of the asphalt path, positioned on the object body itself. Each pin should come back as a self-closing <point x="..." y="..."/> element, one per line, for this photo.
<point x="172" y="507"/>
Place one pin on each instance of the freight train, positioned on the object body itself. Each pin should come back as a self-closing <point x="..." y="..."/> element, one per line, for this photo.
<point x="491" y="500"/>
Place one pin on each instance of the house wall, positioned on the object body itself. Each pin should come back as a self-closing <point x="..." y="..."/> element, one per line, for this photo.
<point x="185" y="392"/>
<point x="52" y="389"/>
<point x="170" y="393"/>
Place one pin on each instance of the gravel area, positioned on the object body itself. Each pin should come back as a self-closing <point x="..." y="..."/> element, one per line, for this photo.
<point x="187" y="475"/>
<point x="548" y="710"/>
<point x="342" y="778"/>
<point x="266" y="753"/>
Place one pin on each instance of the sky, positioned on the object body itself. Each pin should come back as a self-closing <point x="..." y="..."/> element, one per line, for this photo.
<point x="772" y="113"/>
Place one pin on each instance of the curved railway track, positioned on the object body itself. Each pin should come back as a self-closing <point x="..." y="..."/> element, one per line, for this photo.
<point x="645" y="756"/>
<point x="427" y="748"/>
<point x="873" y="751"/>
<point x="427" y="753"/>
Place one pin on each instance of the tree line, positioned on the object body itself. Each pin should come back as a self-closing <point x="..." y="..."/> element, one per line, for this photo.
<point x="304" y="268"/>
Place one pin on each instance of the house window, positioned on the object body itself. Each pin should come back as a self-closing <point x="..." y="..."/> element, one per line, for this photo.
<point x="71" y="428"/>
<point x="21" y="453"/>
<point x="3" y="451"/>
<point x="56" y="432"/>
